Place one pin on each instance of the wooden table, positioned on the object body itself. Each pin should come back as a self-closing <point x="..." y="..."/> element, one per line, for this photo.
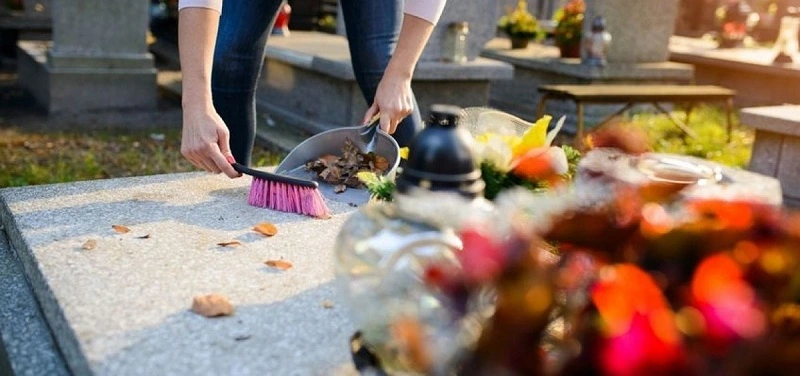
<point x="635" y="94"/>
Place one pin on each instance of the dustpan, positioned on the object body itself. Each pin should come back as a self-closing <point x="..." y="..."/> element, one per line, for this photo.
<point x="332" y="142"/>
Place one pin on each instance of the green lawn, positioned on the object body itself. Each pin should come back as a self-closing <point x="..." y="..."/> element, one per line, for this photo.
<point x="28" y="158"/>
<point x="709" y="125"/>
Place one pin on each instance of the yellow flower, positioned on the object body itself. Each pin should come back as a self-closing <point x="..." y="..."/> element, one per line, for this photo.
<point x="534" y="137"/>
<point x="404" y="152"/>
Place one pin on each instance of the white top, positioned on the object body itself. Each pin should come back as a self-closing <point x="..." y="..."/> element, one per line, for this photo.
<point x="429" y="10"/>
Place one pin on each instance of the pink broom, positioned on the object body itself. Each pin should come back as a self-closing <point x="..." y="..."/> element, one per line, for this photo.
<point x="284" y="193"/>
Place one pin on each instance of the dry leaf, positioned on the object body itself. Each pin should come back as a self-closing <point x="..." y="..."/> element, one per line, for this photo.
<point x="232" y="243"/>
<point x="327" y="304"/>
<point x="279" y="264"/>
<point x="147" y="236"/>
<point x="266" y="228"/>
<point x="339" y="188"/>
<point x="90" y="244"/>
<point x="120" y="229"/>
<point x="212" y="305"/>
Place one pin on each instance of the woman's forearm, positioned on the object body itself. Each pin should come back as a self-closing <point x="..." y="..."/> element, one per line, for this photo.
<point x="414" y="35"/>
<point x="197" y="33"/>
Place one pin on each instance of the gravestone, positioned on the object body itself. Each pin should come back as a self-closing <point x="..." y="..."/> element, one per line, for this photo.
<point x="641" y="28"/>
<point x="776" y="149"/>
<point x="122" y="306"/>
<point x="97" y="59"/>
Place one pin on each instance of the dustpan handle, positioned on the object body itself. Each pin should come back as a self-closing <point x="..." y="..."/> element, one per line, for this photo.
<point x="274" y="177"/>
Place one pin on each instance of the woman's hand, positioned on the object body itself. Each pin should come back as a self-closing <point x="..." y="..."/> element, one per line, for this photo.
<point x="393" y="100"/>
<point x="206" y="142"/>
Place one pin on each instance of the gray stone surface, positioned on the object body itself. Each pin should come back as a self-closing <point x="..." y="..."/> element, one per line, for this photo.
<point x="776" y="149"/>
<point x="749" y="71"/>
<point x="26" y="345"/>
<point x="736" y="184"/>
<point x="98" y="58"/>
<point x="123" y="307"/>
<point x="84" y="84"/>
<point x="308" y="82"/>
<point x="641" y="28"/>
<point x="778" y="119"/>
<point x="541" y="65"/>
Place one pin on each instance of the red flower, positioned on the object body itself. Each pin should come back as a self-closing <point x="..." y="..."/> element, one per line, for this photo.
<point x="639" y="332"/>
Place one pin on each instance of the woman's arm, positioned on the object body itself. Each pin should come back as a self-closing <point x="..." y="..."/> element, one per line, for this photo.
<point x="205" y="138"/>
<point x="393" y="98"/>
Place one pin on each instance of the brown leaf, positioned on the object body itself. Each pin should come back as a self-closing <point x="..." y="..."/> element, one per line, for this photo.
<point x="232" y="243"/>
<point x="339" y="188"/>
<point x="89" y="245"/>
<point x="279" y="264"/>
<point x="212" y="305"/>
<point x="146" y="236"/>
<point x="381" y="163"/>
<point x="327" y="304"/>
<point x="266" y="228"/>
<point x="120" y="229"/>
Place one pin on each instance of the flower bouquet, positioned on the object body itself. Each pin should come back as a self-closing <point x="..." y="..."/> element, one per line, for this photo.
<point x="638" y="284"/>
<point x="510" y="152"/>
<point x="520" y="25"/>
<point x="569" y="28"/>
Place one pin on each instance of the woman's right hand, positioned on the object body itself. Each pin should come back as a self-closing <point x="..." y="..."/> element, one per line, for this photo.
<point x="206" y="141"/>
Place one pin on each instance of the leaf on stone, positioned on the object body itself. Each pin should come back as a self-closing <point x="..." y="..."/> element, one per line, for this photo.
<point x="232" y="243"/>
<point x="120" y="229"/>
<point x="339" y="188"/>
<point x="327" y="304"/>
<point x="89" y="244"/>
<point x="278" y="264"/>
<point x="212" y="305"/>
<point x="145" y="236"/>
<point x="266" y="228"/>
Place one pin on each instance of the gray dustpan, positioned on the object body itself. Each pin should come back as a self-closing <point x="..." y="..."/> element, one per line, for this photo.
<point x="332" y="142"/>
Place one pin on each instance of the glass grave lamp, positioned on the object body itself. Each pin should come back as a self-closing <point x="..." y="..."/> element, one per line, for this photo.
<point x="383" y="250"/>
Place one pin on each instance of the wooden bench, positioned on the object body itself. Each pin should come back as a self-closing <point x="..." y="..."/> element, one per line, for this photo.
<point x="635" y="94"/>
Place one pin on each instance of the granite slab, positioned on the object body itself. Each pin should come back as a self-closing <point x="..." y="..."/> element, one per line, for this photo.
<point x="783" y="120"/>
<point x="122" y="308"/>
<point x="27" y="347"/>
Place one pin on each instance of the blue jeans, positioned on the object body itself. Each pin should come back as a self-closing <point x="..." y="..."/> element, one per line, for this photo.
<point x="372" y="29"/>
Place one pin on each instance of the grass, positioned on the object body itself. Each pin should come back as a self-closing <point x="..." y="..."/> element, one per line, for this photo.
<point x="711" y="143"/>
<point x="29" y="158"/>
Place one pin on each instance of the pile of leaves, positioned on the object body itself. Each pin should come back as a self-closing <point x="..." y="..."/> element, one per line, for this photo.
<point x="342" y="171"/>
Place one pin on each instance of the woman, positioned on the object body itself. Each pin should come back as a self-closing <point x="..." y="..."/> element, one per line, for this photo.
<point x="219" y="128"/>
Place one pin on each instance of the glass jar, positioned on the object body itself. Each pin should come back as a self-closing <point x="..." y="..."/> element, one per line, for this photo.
<point x="456" y="44"/>
<point x="385" y="250"/>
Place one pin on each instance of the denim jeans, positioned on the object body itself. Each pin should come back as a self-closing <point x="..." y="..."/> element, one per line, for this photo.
<point x="372" y="29"/>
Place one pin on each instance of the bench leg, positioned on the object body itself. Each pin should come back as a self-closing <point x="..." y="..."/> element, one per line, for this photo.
<point x="541" y="107"/>
<point x="579" y="135"/>
<point x="675" y="120"/>
<point x="689" y="108"/>
<point x="729" y="109"/>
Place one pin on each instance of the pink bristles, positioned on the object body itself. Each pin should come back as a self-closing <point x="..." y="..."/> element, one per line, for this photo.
<point x="287" y="198"/>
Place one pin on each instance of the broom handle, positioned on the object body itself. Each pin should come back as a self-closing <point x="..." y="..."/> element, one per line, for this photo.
<point x="274" y="177"/>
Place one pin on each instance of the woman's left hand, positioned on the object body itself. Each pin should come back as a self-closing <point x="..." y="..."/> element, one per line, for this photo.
<point x="393" y="100"/>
